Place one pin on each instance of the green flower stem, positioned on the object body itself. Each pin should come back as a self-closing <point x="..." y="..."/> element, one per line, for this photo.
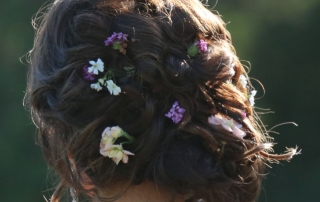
<point x="129" y="137"/>
<point x="127" y="142"/>
<point x="104" y="80"/>
<point x="109" y="75"/>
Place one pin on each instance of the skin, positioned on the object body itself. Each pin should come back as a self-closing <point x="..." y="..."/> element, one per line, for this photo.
<point x="144" y="192"/>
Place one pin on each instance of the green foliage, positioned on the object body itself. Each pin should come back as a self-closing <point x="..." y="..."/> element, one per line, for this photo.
<point x="192" y="51"/>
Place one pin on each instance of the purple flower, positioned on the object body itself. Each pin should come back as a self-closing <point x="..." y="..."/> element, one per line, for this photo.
<point x="176" y="112"/>
<point x="202" y="46"/>
<point x="122" y="37"/>
<point x="244" y="115"/>
<point x="116" y="38"/>
<point x="87" y="75"/>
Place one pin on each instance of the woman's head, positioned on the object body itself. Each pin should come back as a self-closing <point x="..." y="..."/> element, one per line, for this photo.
<point x="204" y="153"/>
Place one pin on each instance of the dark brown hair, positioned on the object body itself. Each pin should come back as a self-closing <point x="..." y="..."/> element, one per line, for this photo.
<point x="190" y="157"/>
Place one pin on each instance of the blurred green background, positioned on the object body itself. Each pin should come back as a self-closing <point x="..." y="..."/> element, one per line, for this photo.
<point x="281" y="39"/>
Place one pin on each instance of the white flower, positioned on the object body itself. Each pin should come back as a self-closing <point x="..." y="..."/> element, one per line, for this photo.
<point x="102" y="81"/>
<point x="229" y="125"/>
<point x="113" y="88"/>
<point x="96" y="86"/>
<point x="243" y="81"/>
<point x="106" y="132"/>
<point x="215" y="120"/>
<point x="107" y="140"/>
<point x="96" y="66"/>
<point x="236" y="131"/>
<point x="109" y="136"/>
<point x="251" y="97"/>
<point x="116" y="131"/>
<point x="116" y="153"/>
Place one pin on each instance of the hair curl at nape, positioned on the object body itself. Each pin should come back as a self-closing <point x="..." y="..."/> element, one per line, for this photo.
<point x="190" y="157"/>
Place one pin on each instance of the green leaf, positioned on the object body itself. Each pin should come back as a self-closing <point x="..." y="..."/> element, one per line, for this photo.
<point x="192" y="50"/>
<point x="116" y="46"/>
<point x="129" y="69"/>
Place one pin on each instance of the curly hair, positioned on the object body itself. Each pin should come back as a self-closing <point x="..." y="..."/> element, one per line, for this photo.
<point x="190" y="157"/>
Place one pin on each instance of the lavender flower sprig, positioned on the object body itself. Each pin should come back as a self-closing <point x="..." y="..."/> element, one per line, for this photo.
<point x="198" y="47"/>
<point x="89" y="76"/>
<point x="176" y="113"/>
<point x="202" y="46"/>
<point x="118" y="41"/>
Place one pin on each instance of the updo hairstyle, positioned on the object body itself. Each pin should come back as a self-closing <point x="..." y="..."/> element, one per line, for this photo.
<point x="192" y="156"/>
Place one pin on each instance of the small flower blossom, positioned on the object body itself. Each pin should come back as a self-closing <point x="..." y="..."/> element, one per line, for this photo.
<point x="116" y="38"/>
<point x="116" y="153"/>
<point x="107" y="140"/>
<point x="96" y="66"/>
<point x="202" y="46"/>
<point x="243" y="81"/>
<point x="118" y="42"/>
<point x="251" y="97"/>
<point x="86" y="74"/>
<point x="176" y="112"/>
<point x="244" y="115"/>
<point x="113" y="88"/>
<point x="116" y="131"/>
<point x="229" y="125"/>
<point x="96" y="86"/>
<point x="102" y="81"/>
<point x="198" y="47"/>
<point x="109" y="149"/>
<point x="109" y="136"/>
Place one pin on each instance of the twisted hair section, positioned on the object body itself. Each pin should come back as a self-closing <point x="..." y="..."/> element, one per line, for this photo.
<point x="190" y="157"/>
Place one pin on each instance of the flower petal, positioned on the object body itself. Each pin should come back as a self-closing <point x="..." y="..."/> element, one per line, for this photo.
<point x="90" y="69"/>
<point x="243" y="81"/>
<point x="227" y="127"/>
<point x="128" y="153"/>
<point x="253" y="93"/>
<point x="116" y="160"/>
<point x="99" y="62"/>
<point x="238" y="125"/>
<point x="106" y="131"/>
<point x="176" y="113"/>
<point x="125" y="158"/>
<point x="116" y="131"/>
<point x="214" y="120"/>
<point x="96" y="86"/>
<point x="238" y="132"/>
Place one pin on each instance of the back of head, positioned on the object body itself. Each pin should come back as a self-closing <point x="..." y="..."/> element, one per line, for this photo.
<point x="214" y="151"/>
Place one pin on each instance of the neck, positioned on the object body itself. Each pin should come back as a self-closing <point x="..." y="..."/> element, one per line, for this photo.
<point x="144" y="192"/>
